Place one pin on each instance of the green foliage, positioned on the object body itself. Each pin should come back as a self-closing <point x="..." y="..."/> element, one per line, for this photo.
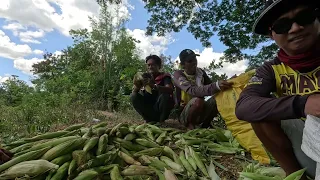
<point x="230" y="20"/>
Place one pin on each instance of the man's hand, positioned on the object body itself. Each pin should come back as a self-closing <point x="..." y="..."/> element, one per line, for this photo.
<point x="312" y="106"/>
<point x="224" y="85"/>
<point x="148" y="81"/>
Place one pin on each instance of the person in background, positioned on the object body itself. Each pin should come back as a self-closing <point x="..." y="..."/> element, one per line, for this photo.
<point x="293" y="75"/>
<point x="155" y="107"/>
<point x="192" y="85"/>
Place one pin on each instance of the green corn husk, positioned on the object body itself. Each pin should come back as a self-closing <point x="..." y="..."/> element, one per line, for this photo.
<point x="28" y="168"/>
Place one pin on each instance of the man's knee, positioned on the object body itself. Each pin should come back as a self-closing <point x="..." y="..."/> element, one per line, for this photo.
<point x="134" y="97"/>
<point x="164" y="97"/>
<point x="198" y="104"/>
<point x="271" y="132"/>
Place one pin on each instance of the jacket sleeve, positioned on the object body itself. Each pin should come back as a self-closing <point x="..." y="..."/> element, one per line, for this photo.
<point x="181" y="82"/>
<point x="256" y="104"/>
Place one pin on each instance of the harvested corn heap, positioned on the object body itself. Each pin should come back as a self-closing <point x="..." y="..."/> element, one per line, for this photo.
<point x="123" y="152"/>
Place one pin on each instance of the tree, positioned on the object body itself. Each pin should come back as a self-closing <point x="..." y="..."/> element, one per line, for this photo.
<point x="13" y="90"/>
<point x="98" y="67"/>
<point x="230" y="20"/>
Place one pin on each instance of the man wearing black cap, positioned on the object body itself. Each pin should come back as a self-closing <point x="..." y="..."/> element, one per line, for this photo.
<point x="192" y="85"/>
<point x="294" y="76"/>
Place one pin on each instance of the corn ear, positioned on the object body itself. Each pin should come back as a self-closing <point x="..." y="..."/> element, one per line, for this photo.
<point x="169" y="175"/>
<point x="129" y="137"/>
<point x="64" y="148"/>
<point x="61" y="172"/>
<point x="133" y="170"/>
<point x="115" y="129"/>
<point x="296" y="175"/>
<point x="186" y="164"/>
<point x="72" y="167"/>
<point x="99" y="125"/>
<point x="174" y="166"/>
<point x="150" y="152"/>
<point x="161" y="137"/>
<point x="28" y="168"/>
<point x="115" y="174"/>
<point x="128" y="159"/>
<point x="87" y="175"/>
<point x="49" y="135"/>
<point x="102" y="144"/>
<point x="25" y="157"/>
<point x="53" y="142"/>
<point x="198" y="162"/>
<point x="90" y="144"/>
<point x="62" y="159"/>
<point x="146" y="143"/>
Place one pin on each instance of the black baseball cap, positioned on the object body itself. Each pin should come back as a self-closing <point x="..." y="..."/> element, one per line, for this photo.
<point x="273" y="9"/>
<point x="186" y="55"/>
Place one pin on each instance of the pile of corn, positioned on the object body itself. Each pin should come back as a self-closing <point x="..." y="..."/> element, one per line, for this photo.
<point x="122" y="152"/>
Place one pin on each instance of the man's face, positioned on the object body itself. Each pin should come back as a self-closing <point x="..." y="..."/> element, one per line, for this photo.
<point x="152" y="66"/>
<point x="302" y="35"/>
<point x="190" y="66"/>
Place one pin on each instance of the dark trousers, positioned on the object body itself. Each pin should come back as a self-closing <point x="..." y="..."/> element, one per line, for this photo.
<point x="152" y="108"/>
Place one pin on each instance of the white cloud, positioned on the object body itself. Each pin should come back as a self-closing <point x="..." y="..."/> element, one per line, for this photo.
<point x="11" y="50"/>
<point x="25" y="65"/>
<point x="31" y="36"/>
<point x="208" y="55"/>
<point x="41" y="14"/>
<point x="14" y="27"/>
<point x="38" y="52"/>
<point x="150" y="44"/>
<point x="4" y="78"/>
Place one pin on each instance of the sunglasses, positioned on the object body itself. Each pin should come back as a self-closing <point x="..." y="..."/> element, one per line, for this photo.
<point x="303" y="18"/>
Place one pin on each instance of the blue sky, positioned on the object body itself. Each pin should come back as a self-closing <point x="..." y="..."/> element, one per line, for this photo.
<point x="43" y="27"/>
